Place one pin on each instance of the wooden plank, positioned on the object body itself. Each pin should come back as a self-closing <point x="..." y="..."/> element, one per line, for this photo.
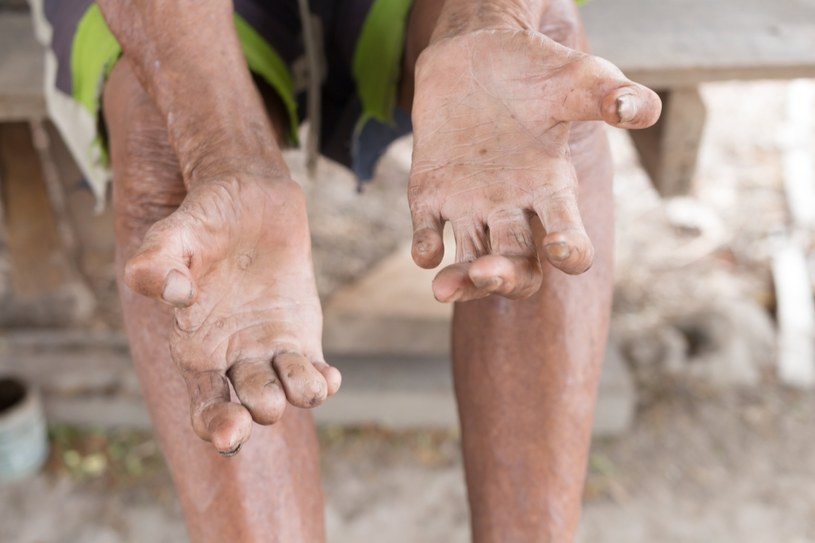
<point x="798" y="162"/>
<point x="73" y="372"/>
<point x="5" y="265"/>
<point x="60" y="339"/>
<point x="93" y="227"/>
<point x="791" y="271"/>
<point x="662" y="44"/>
<point x="796" y="317"/>
<point x="21" y="69"/>
<point x="32" y="238"/>
<point x="86" y="379"/>
<point x="669" y="43"/>
<point x="45" y="286"/>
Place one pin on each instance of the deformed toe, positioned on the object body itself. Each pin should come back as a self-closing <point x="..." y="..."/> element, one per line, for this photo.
<point x="314" y="392"/>
<point x="513" y="277"/>
<point x="632" y="106"/>
<point x="259" y="390"/>
<point x="228" y="426"/>
<point x="428" y="248"/>
<point x="332" y="376"/>
<point x="305" y="386"/>
<point x="572" y="256"/>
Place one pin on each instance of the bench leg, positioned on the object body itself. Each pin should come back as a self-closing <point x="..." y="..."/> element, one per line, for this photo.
<point x="669" y="149"/>
<point x="5" y="262"/>
<point x="43" y="286"/>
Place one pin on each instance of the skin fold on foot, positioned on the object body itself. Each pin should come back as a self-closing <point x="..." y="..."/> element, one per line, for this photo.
<point x="498" y="159"/>
<point x="235" y="262"/>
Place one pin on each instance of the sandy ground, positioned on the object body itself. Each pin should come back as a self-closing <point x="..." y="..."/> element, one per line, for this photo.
<point x="700" y="466"/>
<point x="719" y="452"/>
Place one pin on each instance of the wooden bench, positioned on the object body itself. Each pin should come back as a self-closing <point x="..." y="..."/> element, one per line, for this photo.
<point x="40" y="282"/>
<point x="670" y="45"/>
<point x="674" y="45"/>
<point x="21" y="70"/>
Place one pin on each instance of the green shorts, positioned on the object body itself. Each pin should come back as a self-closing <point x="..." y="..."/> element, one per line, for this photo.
<point x="362" y="44"/>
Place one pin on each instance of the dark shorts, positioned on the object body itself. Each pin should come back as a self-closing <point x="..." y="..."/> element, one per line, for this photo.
<point x="361" y="43"/>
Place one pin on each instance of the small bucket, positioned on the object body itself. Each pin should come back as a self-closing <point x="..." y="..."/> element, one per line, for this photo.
<point x="23" y="433"/>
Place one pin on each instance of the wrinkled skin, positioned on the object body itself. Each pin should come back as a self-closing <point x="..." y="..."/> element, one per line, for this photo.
<point x="245" y="294"/>
<point x="499" y="156"/>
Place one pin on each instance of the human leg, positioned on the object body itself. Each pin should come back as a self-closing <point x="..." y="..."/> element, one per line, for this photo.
<point x="526" y="371"/>
<point x="271" y="490"/>
<point x="526" y="375"/>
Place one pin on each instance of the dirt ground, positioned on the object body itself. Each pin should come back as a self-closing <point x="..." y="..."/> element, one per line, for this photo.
<point x="720" y="452"/>
<point x="699" y="466"/>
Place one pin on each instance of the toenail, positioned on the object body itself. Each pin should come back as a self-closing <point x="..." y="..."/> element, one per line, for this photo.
<point x="177" y="289"/>
<point x="626" y="108"/>
<point x="558" y="251"/>
<point x="233" y="452"/>
<point x="490" y="283"/>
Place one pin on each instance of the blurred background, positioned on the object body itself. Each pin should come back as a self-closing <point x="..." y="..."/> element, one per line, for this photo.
<point x="704" y="429"/>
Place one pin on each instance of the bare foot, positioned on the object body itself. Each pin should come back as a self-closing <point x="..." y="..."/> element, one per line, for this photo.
<point x="235" y="262"/>
<point x="492" y="114"/>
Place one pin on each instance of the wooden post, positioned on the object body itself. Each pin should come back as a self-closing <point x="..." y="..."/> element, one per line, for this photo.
<point x="5" y="265"/>
<point x="669" y="149"/>
<point x="45" y="287"/>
